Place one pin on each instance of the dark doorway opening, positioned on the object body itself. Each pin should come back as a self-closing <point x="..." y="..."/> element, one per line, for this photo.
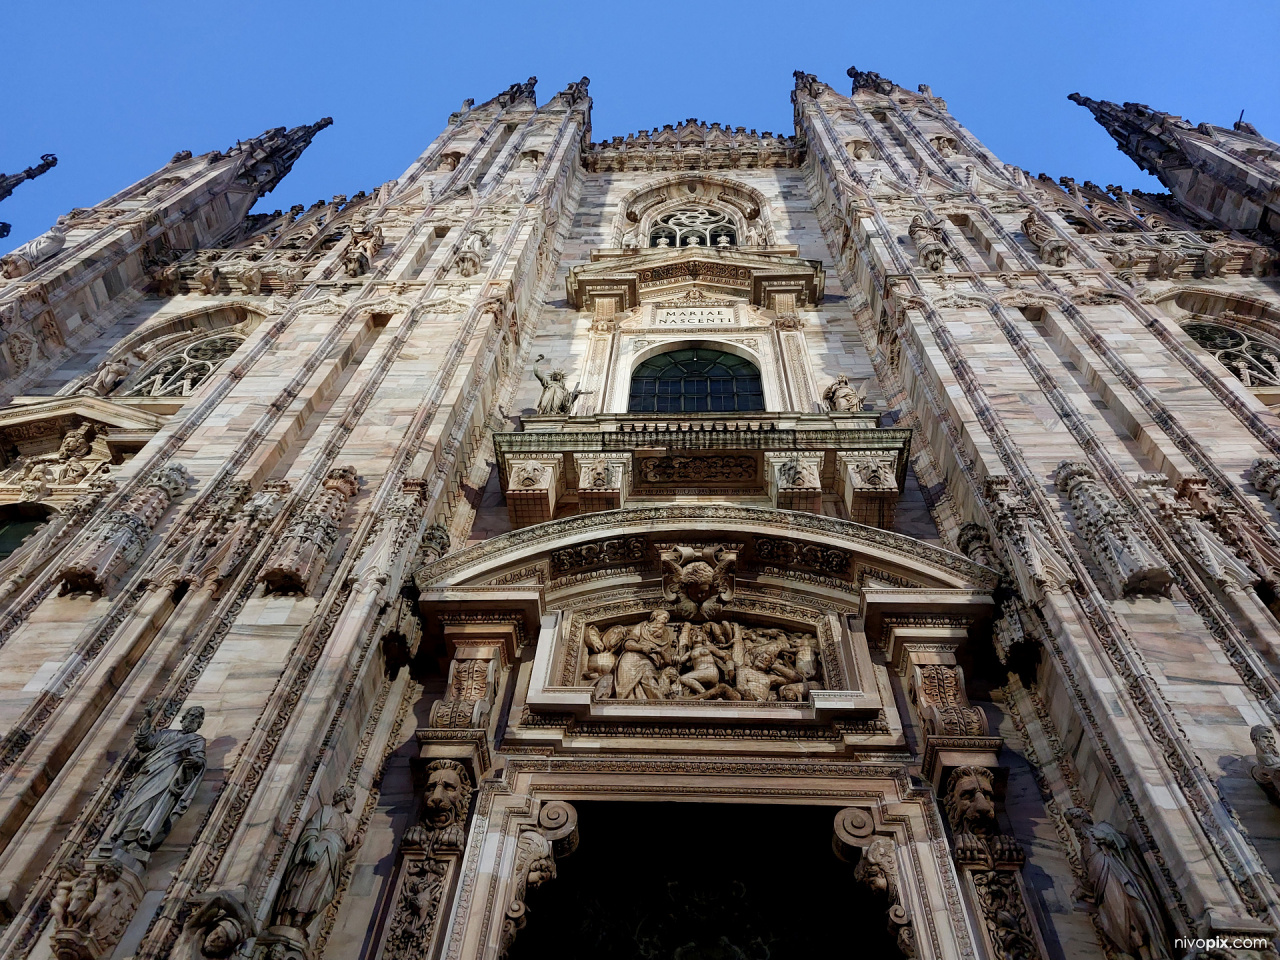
<point x="700" y="881"/>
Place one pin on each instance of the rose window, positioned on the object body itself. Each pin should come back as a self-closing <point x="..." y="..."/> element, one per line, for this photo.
<point x="179" y="373"/>
<point x="1253" y="359"/>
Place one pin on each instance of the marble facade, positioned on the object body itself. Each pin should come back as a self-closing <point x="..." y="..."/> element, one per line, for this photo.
<point x="360" y="571"/>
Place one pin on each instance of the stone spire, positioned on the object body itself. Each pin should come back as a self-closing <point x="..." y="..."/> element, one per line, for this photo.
<point x="267" y="158"/>
<point x="1220" y="174"/>
<point x="8" y="181"/>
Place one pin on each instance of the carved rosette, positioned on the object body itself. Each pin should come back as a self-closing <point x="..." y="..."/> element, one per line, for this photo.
<point x="119" y="540"/>
<point x="304" y="549"/>
<point x="1130" y="563"/>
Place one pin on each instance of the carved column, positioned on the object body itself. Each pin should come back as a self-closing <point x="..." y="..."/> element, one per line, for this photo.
<point x="603" y="481"/>
<point x="481" y="651"/>
<point x="431" y="851"/>
<point x="122" y="535"/>
<point x="989" y="862"/>
<point x="955" y="732"/>
<point x="868" y="484"/>
<point x="297" y="562"/>
<point x="534" y="487"/>
<point x="1130" y="563"/>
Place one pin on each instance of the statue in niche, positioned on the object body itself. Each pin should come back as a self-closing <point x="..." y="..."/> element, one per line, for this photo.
<point x="1118" y="890"/>
<point x="1267" y="770"/>
<point x="841" y="396"/>
<point x="165" y="784"/>
<point x="311" y="879"/>
<point x="661" y="660"/>
<point x="557" y="399"/>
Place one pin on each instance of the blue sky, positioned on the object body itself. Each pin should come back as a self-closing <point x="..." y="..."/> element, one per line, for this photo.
<point x="115" y="88"/>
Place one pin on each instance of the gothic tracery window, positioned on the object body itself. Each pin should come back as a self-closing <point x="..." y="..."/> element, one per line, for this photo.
<point x="696" y="380"/>
<point x="177" y="374"/>
<point x="693" y="227"/>
<point x="1254" y="359"/>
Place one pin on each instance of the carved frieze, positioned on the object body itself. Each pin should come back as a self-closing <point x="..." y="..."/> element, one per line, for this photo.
<point x="662" y="659"/>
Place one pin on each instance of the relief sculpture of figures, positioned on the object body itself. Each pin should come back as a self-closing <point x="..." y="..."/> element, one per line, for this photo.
<point x="662" y="660"/>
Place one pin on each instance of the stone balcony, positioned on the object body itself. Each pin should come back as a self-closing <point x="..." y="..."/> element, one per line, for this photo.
<point x="836" y="463"/>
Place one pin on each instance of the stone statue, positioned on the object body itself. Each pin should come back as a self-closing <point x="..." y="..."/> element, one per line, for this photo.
<point x="311" y="879"/>
<point x="34" y="252"/>
<point x="1267" y="770"/>
<point x="1118" y="889"/>
<point x="165" y="784"/>
<point x="221" y="925"/>
<point x="557" y="399"/>
<point x="107" y="377"/>
<point x="928" y="241"/>
<point x="843" y="396"/>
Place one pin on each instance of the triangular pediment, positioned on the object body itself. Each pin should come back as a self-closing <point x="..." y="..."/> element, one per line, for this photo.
<point x="30" y="425"/>
<point x="661" y="273"/>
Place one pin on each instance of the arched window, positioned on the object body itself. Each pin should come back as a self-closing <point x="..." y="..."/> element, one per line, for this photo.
<point x="696" y="380"/>
<point x="179" y="373"/>
<point x="1254" y="359"/>
<point x="693" y="227"/>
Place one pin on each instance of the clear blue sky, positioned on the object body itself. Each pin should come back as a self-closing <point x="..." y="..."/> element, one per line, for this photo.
<point x="115" y="88"/>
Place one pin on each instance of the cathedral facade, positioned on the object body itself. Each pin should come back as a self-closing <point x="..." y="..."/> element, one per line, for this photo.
<point x="696" y="544"/>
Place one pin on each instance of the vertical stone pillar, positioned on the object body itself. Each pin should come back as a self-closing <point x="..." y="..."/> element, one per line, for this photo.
<point x="1131" y="564"/>
<point x="989" y="862"/>
<point x="296" y="564"/>
<point x="122" y="535"/>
